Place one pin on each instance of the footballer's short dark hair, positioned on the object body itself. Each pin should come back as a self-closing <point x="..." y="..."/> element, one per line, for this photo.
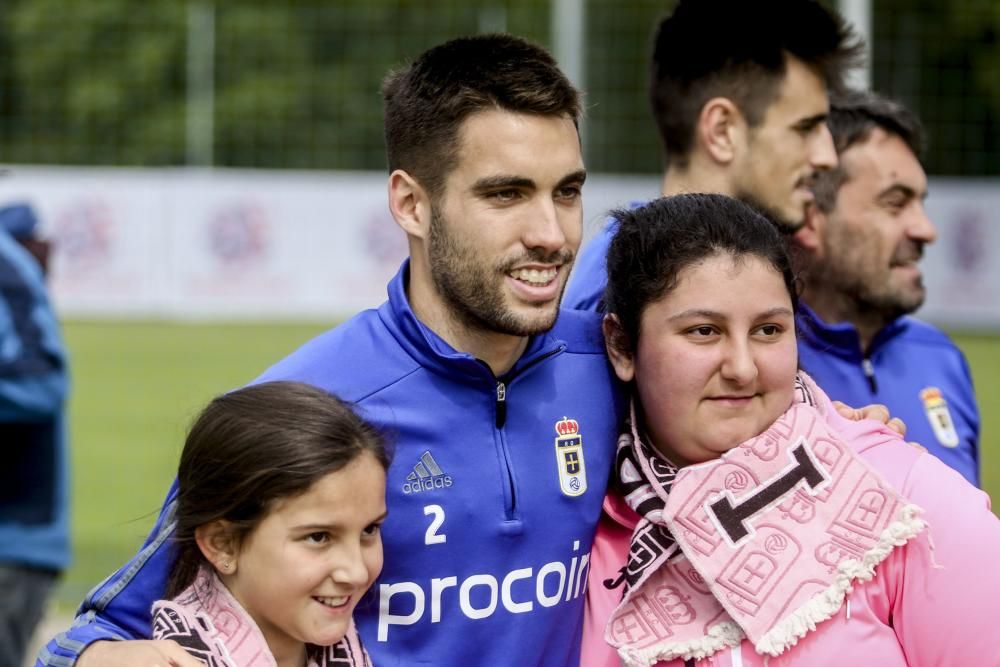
<point x="426" y="102"/>
<point x="738" y="49"/>
<point x="853" y="116"/>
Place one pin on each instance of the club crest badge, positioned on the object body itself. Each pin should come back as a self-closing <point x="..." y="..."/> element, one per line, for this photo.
<point x="939" y="416"/>
<point x="569" y="458"/>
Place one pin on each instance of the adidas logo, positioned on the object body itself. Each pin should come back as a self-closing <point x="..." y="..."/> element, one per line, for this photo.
<point x="426" y="475"/>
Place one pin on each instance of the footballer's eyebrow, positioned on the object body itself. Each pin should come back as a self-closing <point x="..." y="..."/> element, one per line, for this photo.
<point x="493" y="183"/>
<point x="904" y="190"/>
<point x="579" y="176"/>
<point x="812" y="121"/>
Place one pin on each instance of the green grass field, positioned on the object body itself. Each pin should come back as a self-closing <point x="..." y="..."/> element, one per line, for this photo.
<point x="136" y="389"/>
<point x="137" y="386"/>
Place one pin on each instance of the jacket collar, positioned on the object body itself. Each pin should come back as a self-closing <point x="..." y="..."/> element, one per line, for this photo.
<point x="433" y="352"/>
<point x="841" y="338"/>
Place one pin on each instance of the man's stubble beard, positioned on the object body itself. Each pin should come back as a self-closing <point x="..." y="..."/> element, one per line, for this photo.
<point x="473" y="291"/>
<point x="869" y="296"/>
<point x="782" y="222"/>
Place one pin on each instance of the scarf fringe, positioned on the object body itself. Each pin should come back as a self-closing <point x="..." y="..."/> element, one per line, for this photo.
<point x="788" y="631"/>
<point x="718" y="637"/>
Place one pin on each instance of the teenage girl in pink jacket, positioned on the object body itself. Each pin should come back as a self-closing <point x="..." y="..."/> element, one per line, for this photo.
<point x="748" y="523"/>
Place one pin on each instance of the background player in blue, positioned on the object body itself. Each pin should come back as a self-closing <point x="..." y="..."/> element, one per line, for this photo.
<point x="739" y="95"/>
<point x="502" y="415"/>
<point x="34" y="511"/>
<point x="860" y="248"/>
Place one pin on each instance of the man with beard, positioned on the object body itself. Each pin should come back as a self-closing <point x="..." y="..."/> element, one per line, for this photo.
<point x="739" y="96"/>
<point x="860" y="247"/>
<point x="502" y="416"/>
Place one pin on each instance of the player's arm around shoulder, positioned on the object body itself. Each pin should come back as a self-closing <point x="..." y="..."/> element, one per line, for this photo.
<point x="120" y="607"/>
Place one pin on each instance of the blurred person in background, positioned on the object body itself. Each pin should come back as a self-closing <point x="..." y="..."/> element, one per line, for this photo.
<point x="739" y="95"/>
<point x="860" y="247"/>
<point x="744" y="112"/>
<point x="34" y="530"/>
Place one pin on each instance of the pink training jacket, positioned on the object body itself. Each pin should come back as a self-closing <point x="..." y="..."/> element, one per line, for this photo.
<point x="934" y="602"/>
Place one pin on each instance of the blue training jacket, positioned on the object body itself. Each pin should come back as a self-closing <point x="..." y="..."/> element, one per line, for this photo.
<point x="494" y="493"/>
<point x="912" y="367"/>
<point x="34" y="506"/>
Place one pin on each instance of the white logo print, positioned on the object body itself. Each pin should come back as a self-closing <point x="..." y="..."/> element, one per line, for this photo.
<point x="514" y="592"/>
<point x="426" y="475"/>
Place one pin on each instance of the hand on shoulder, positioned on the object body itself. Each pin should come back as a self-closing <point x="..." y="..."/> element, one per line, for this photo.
<point x="875" y="411"/>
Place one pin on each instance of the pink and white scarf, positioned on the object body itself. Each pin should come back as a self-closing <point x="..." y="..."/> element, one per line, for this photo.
<point x="763" y="543"/>
<point x="214" y="627"/>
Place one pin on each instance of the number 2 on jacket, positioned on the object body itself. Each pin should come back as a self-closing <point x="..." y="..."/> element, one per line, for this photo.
<point x="432" y="536"/>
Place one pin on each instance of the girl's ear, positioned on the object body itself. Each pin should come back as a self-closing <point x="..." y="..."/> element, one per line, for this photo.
<point x="218" y="545"/>
<point x="619" y="348"/>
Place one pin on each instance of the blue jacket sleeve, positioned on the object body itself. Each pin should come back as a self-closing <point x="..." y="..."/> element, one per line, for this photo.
<point x="119" y="607"/>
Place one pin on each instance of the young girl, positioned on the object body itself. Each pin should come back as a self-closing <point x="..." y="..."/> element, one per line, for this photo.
<point x="281" y="496"/>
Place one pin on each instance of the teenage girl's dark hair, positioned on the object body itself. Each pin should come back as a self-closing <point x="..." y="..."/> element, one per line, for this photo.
<point x="654" y="243"/>
<point x="253" y="447"/>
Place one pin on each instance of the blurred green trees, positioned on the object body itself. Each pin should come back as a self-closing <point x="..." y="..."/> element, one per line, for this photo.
<point x="943" y="60"/>
<point x="295" y="83"/>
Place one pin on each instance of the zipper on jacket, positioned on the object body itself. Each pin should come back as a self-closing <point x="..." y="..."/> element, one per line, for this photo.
<point x="501" y="418"/>
<point x="501" y="404"/>
<point x="869" y="369"/>
<point x="504" y="382"/>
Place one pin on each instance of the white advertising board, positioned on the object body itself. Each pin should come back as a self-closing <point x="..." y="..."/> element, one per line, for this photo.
<point x="247" y="244"/>
<point x="213" y="244"/>
<point x="961" y="269"/>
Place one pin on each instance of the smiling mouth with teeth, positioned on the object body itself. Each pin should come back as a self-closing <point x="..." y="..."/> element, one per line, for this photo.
<point x="334" y="601"/>
<point x="535" y="276"/>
